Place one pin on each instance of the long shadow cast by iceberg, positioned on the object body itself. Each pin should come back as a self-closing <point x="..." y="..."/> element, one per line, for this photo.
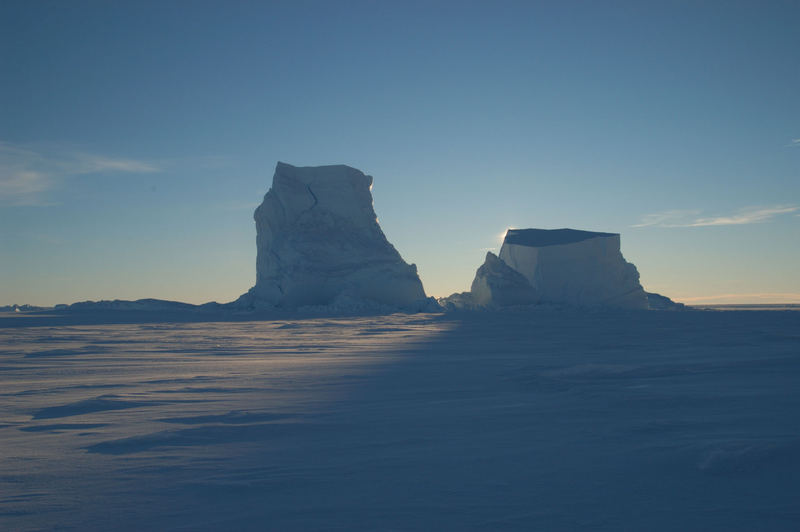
<point x="521" y="421"/>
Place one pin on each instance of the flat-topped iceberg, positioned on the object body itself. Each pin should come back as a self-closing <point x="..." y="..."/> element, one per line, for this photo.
<point x="555" y="267"/>
<point x="579" y="268"/>
<point x="319" y="244"/>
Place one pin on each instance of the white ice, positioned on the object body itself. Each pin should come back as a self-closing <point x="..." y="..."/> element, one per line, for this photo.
<point x="319" y="243"/>
<point x="578" y="268"/>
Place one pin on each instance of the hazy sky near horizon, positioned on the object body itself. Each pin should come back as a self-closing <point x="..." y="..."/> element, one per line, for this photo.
<point x="136" y="138"/>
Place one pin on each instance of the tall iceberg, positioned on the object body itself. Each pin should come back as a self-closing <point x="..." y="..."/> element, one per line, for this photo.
<point x="319" y="243"/>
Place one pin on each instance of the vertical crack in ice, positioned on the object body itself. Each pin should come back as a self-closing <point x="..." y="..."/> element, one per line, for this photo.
<point x="308" y="187"/>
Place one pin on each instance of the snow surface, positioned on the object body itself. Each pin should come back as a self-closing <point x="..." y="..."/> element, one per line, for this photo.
<point x="319" y="243"/>
<point x="534" y="420"/>
<point x="578" y="268"/>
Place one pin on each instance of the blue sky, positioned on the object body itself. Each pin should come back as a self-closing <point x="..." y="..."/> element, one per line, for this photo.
<point x="136" y="138"/>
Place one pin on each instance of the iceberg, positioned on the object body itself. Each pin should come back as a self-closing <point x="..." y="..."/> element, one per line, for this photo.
<point x="562" y="267"/>
<point x="498" y="284"/>
<point x="577" y="268"/>
<point x="660" y="302"/>
<point x="495" y="285"/>
<point x="319" y="244"/>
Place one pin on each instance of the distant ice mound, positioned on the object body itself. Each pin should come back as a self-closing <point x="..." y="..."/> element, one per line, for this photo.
<point x="659" y="302"/>
<point x="319" y="244"/>
<point x="555" y="266"/>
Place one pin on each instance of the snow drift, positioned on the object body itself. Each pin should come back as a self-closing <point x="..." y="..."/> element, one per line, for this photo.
<point x="319" y="243"/>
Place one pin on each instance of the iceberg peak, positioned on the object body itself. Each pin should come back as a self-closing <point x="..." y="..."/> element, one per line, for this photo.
<point x="318" y="243"/>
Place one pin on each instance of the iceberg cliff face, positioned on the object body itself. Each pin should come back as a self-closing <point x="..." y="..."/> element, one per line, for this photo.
<point x="554" y="267"/>
<point x="578" y="268"/>
<point x="497" y="284"/>
<point x="319" y="243"/>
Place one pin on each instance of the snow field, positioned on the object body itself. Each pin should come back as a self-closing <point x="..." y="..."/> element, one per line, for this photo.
<point x="528" y="420"/>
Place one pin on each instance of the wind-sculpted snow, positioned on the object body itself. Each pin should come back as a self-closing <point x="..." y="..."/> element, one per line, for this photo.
<point x="88" y="406"/>
<point x="319" y="244"/>
<point x="506" y="420"/>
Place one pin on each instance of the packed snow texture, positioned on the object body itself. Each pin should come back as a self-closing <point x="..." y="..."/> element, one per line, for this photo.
<point x="319" y="243"/>
<point x="577" y="268"/>
<point x="502" y="421"/>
